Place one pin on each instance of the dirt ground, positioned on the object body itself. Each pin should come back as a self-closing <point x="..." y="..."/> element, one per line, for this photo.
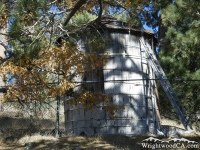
<point x="16" y="133"/>
<point x="115" y="142"/>
<point x="73" y="142"/>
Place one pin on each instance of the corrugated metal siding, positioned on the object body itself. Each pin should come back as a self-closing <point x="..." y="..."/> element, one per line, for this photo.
<point x="126" y="79"/>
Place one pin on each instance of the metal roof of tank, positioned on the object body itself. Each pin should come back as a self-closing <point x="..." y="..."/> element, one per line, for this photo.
<point x="109" y="22"/>
<point x="113" y="23"/>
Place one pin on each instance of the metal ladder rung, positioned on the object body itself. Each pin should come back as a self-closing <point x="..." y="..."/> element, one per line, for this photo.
<point x="153" y="62"/>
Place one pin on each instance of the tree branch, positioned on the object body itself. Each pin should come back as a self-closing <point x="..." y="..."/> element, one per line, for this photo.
<point x="100" y="11"/>
<point x="5" y="59"/>
<point x="74" y="10"/>
<point x="52" y="3"/>
<point x="116" y="4"/>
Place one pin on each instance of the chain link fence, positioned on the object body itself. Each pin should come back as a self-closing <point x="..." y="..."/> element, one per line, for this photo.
<point x="17" y="120"/>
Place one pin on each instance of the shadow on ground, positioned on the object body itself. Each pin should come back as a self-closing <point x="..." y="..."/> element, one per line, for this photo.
<point x="115" y="142"/>
<point x="20" y="134"/>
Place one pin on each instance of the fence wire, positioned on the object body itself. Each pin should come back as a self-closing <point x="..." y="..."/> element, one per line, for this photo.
<point x="17" y="120"/>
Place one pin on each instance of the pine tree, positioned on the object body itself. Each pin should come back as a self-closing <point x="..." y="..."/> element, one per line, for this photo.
<point x="178" y="44"/>
<point x="180" y="53"/>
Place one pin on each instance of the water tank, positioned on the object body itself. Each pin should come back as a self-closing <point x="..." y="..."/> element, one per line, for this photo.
<point x="126" y="77"/>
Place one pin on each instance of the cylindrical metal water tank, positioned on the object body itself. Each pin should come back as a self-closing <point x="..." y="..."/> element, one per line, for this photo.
<point x="126" y="77"/>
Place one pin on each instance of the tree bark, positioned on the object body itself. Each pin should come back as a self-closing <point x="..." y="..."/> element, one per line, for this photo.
<point x="74" y="10"/>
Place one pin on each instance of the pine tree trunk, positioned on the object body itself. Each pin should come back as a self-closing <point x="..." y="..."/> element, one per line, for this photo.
<point x="161" y="33"/>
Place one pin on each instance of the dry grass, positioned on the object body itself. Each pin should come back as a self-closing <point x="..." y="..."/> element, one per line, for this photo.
<point x="12" y="137"/>
<point x="36" y="138"/>
<point x="165" y="121"/>
<point x="169" y="122"/>
<point x="115" y="142"/>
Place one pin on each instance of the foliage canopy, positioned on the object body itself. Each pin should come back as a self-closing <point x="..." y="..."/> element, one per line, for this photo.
<point x="38" y="65"/>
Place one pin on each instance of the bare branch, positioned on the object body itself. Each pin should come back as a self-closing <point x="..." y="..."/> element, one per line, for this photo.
<point x="56" y="13"/>
<point x="52" y="3"/>
<point x="116" y="4"/>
